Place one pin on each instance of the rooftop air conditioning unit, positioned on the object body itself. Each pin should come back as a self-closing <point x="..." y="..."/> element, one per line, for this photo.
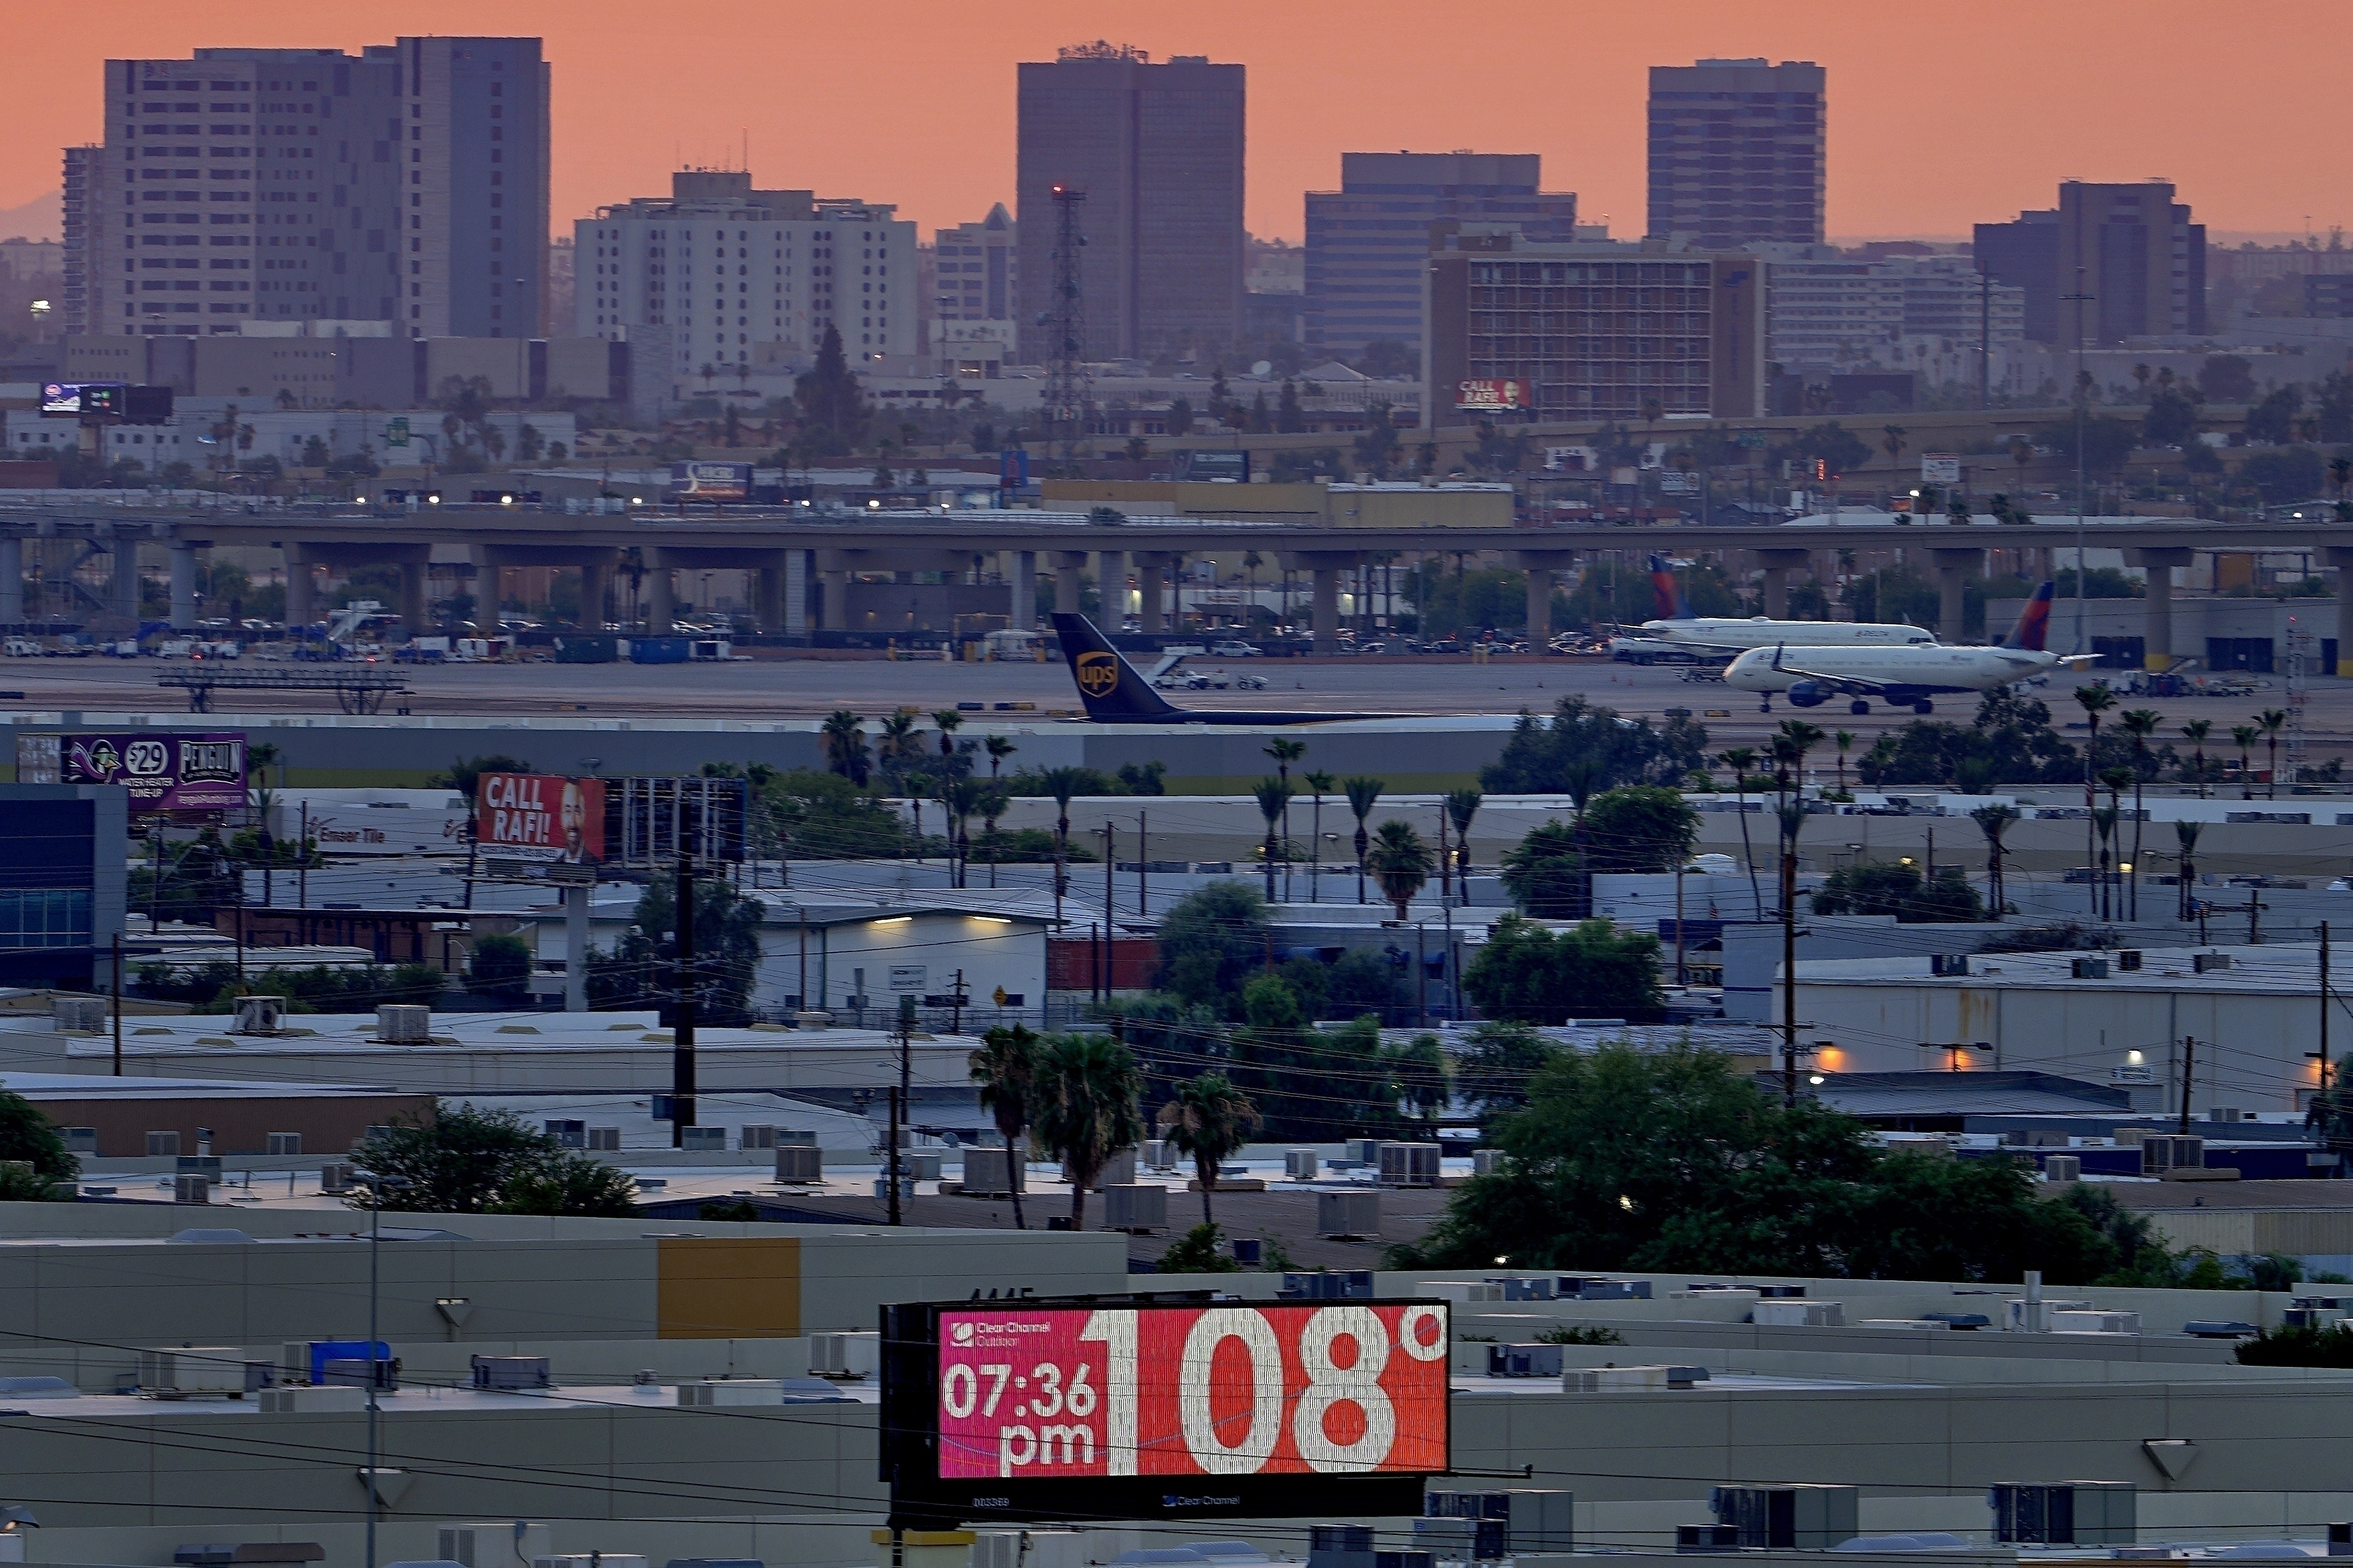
<point x="844" y="1355"/>
<point x="196" y="1188"/>
<point x="192" y="1369"/>
<point x="335" y="1175"/>
<point x="1136" y="1208"/>
<point x="1523" y="1288"/>
<point x="799" y="1163"/>
<point x="1799" y="1314"/>
<point x="1117" y="1171"/>
<point x="298" y="1401"/>
<point x="2062" y="1168"/>
<point x="1517" y="1523"/>
<point x="2095" y="1322"/>
<point x="1948" y="964"/>
<point x="993" y="1173"/>
<point x="1158" y="1155"/>
<point x="1337" y="1284"/>
<point x="403" y="1024"/>
<point x="1301" y="1165"/>
<point x="702" y="1139"/>
<point x="2128" y="961"/>
<point x="1788" y="1518"/>
<point x="732" y="1390"/>
<point x="258" y="1014"/>
<point x="2163" y="1151"/>
<point x="167" y="1142"/>
<point x="86" y="1014"/>
<point x="1523" y="1360"/>
<point x="2063" y="1513"/>
<point x="607" y="1139"/>
<point x="1586" y="1288"/>
<point x="590" y="1559"/>
<point x="1486" y="1161"/>
<point x="1349" y="1214"/>
<point x="2088" y="968"/>
<point x="507" y="1373"/>
<point x="568" y="1132"/>
<point x="754" y="1137"/>
<point x="2201" y="962"/>
<point x="1409" y="1165"/>
<point x="493" y="1545"/>
<point x="285" y="1142"/>
<point x="1628" y="1379"/>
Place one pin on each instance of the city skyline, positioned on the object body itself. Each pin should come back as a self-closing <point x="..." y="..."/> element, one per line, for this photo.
<point x="940" y="142"/>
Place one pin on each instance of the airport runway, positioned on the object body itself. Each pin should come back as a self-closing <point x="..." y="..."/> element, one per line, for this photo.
<point x="778" y="688"/>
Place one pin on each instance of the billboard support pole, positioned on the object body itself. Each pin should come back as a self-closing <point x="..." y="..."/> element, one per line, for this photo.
<point x="681" y="1071"/>
<point x="576" y="948"/>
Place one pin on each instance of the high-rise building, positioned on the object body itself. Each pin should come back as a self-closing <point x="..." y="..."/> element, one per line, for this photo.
<point x="1588" y="331"/>
<point x="407" y="184"/>
<point x="1157" y="150"/>
<point x="735" y="276"/>
<point x="1736" y="152"/>
<point x="1827" y="309"/>
<point x="1368" y="242"/>
<point x="86" y="215"/>
<point x="2109" y="262"/>
<point x="978" y="269"/>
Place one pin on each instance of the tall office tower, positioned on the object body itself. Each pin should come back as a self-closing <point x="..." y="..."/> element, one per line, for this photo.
<point x="1368" y="242"/>
<point x="1158" y="151"/>
<point x="299" y="185"/>
<point x="1736" y="152"/>
<point x="2132" y="248"/>
<point x="976" y="269"/>
<point x="2024" y="254"/>
<point x="86" y="216"/>
<point x="735" y="276"/>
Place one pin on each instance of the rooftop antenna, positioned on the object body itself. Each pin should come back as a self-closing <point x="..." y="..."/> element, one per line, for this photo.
<point x="1068" y="393"/>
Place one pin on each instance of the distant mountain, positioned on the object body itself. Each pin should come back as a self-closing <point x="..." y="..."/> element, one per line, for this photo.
<point x="40" y="218"/>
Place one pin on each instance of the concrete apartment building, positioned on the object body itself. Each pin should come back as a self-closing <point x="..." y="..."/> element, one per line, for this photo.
<point x="1157" y="149"/>
<point x="405" y="183"/>
<point x="1367" y="241"/>
<point x="1593" y="331"/>
<point x="1826" y="307"/>
<point x="2131" y="247"/>
<point x="1738" y="152"/>
<point x="977" y="268"/>
<point x="776" y="270"/>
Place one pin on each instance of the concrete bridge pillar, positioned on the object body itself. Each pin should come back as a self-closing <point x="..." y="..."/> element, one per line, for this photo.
<point x="301" y="608"/>
<point x="1068" y="564"/>
<point x="1111" y="580"/>
<point x="123" y="588"/>
<point x="12" y="580"/>
<point x="1540" y="565"/>
<point x="1953" y="569"/>
<point x="1152" y="591"/>
<point x="1777" y="565"/>
<point x="837" y="600"/>
<point x="768" y="598"/>
<point x="596" y="588"/>
<point x="1024" y="590"/>
<point x="2156" y="621"/>
<point x="661" y="596"/>
<point x="414" y="610"/>
<point x="795" y="570"/>
<point x="183" y="586"/>
<point x="2341" y="557"/>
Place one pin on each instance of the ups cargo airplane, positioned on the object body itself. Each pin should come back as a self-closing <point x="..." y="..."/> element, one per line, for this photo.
<point x="1114" y="693"/>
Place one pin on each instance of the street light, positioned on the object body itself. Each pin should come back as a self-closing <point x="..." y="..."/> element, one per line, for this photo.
<point x="377" y="1186"/>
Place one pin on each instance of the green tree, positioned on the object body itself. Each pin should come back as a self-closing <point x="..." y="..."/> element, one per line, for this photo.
<point x="1378" y="449"/>
<point x="1496" y="1065"/>
<point x="1200" y="1251"/>
<point x="2109" y="442"/>
<point x="465" y="1161"/>
<point x="1886" y="888"/>
<point x="1527" y="973"/>
<point x="1087" y="1090"/>
<point x="569" y="1183"/>
<point x="1211" y="939"/>
<point x="465" y="773"/>
<point x="1400" y="862"/>
<point x="831" y="400"/>
<point x="2171" y="419"/>
<point x="1363" y="794"/>
<point x="1005" y="1069"/>
<point x="1211" y="1120"/>
<point x="1538" y="758"/>
<point x="1289" y="418"/>
<point x="1543" y="872"/>
<point x="499" y="966"/>
<point x="843" y="736"/>
<point x="1640" y="827"/>
<point x="641" y="970"/>
<point x="28" y="1137"/>
<point x="1273" y="797"/>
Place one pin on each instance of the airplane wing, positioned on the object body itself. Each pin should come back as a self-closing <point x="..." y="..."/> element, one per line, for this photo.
<point x="2074" y="660"/>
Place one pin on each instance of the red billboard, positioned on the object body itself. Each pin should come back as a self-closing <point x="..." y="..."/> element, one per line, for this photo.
<point x="1492" y="395"/>
<point x="1050" y="1393"/>
<point x="540" y="817"/>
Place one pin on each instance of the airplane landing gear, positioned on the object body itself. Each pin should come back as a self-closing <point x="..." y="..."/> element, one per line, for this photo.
<point x="1924" y="706"/>
<point x="1859" y="707"/>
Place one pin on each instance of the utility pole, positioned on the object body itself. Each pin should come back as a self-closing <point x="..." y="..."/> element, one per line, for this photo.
<point x="1788" y="975"/>
<point x="1110" y="868"/>
<point x="906" y="1033"/>
<point x="682" y="1055"/>
<point x="2188" y="1075"/>
<point x="2320" y="1055"/>
<point x="1142" y="867"/>
<point x="2083" y="407"/>
<point x="1985" y="338"/>
<point x="115" y="984"/>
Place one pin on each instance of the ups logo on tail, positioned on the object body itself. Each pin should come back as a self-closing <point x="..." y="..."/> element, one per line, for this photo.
<point x="1098" y="674"/>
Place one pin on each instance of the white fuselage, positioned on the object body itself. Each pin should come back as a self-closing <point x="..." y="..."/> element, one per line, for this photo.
<point x="1759" y="632"/>
<point x="1933" y="667"/>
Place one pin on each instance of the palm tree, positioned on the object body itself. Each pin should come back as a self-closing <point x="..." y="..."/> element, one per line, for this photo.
<point x="897" y="746"/>
<point x="2114" y="781"/>
<point x="960" y="798"/>
<point x="1790" y="743"/>
<point x="2187" y="832"/>
<point x="950" y="721"/>
<point x="2140" y="724"/>
<point x="1462" y="805"/>
<point x="2196" y="733"/>
<point x="1400" y="862"/>
<point x="259" y="761"/>
<point x="1005" y="1069"/>
<point x="1085" y="1111"/>
<point x="1283" y="753"/>
<point x="2271" y="721"/>
<point x="1319" y="785"/>
<point x="998" y="748"/>
<point x="1892" y="437"/>
<point x="1994" y="821"/>
<point x="1363" y="794"/>
<point x="844" y="736"/>
<point x="1063" y="783"/>
<point x="1844" y="740"/>
<point x="1740" y="759"/>
<point x="917" y="789"/>
<point x="2095" y="700"/>
<point x="1209" y="1120"/>
<point x="1274" y="798"/>
<point x="993" y="801"/>
<point x="2246" y="735"/>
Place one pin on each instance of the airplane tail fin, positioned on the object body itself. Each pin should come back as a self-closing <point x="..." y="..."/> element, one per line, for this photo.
<point x="1667" y="591"/>
<point x="2033" y="629"/>
<point x="1108" y="685"/>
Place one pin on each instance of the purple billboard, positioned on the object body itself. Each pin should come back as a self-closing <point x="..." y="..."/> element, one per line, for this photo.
<point x="162" y="772"/>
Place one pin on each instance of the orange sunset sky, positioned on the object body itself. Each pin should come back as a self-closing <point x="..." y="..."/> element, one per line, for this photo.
<point x="1942" y="113"/>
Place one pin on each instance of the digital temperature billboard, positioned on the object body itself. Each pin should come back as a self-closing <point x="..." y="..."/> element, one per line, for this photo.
<point x="1046" y="1410"/>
